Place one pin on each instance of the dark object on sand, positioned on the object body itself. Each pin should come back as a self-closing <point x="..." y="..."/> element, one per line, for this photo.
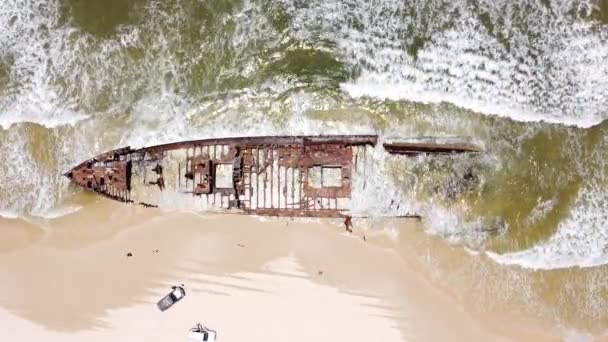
<point x="173" y="297"/>
<point x="129" y="254"/>
<point x="348" y="223"/>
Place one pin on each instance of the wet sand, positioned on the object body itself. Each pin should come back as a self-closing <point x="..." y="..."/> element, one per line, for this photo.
<point x="250" y="279"/>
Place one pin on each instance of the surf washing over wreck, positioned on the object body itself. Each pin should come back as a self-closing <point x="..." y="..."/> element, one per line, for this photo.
<point x="296" y="176"/>
<point x="526" y="79"/>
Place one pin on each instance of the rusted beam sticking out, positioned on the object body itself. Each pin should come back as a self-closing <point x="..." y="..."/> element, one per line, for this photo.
<point x="265" y="140"/>
<point x="295" y="212"/>
<point x="413" y="148"/>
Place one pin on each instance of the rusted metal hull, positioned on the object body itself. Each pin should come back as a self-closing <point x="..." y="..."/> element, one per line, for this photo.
<point x="310" y="176"/>
<point x="413" y="148"/>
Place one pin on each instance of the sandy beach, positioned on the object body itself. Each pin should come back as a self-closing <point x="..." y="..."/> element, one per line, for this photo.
<point x="251" y="279"/>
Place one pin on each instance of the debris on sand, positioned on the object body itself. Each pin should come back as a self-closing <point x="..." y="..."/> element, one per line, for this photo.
<point x="348" y="224"/>
<point x="201" y="333"/>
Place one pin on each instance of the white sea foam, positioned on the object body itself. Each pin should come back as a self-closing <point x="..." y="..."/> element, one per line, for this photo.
<point x="8" y="214"/>
<point x="581" y="240"/>
<point x="27" y="188"/>
<point x="374" y="193"/>
<point x="54" y="213"/>
<point x="60" y="75"/>
<point x="251" y="112"/>
<point x="471" y="251"/>
<point x="560" y="76"/>
<point x="572" y="335"/>
<point x="452" y="224"/>
<point x="541" y="210"/>
<point x="39" y="106"/>
<point x="34" y="47"/>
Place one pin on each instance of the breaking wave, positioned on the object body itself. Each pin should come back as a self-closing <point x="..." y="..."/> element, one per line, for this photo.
<point x="581" y="240"/>
<point x="8" y="214"/>
<point x="526" y="60"/>
<point x="58" y="212"/>
<point x="37" y="52"/>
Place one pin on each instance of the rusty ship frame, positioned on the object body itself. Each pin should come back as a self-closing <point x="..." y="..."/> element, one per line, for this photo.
<point x="292" y="176"/>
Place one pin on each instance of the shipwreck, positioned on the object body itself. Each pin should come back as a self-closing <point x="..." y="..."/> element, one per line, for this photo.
<point x="292" y="176"/>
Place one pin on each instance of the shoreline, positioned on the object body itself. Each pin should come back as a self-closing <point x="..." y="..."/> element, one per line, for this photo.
<point x="302" y="272"/>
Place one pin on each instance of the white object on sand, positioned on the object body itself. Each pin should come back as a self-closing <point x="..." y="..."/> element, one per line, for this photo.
<point x="201" y="333"/>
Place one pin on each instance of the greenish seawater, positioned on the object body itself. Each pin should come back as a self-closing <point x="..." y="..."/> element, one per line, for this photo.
<point x="527" y="80"/>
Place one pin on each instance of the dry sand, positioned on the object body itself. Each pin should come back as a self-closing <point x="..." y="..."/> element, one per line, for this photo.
<point x="250" y="279"/>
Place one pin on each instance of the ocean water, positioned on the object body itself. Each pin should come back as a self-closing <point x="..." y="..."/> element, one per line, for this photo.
<point x="525" y="79"/>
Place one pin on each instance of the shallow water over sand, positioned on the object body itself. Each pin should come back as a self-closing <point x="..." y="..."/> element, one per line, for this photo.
<point x="241" y="275"/>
